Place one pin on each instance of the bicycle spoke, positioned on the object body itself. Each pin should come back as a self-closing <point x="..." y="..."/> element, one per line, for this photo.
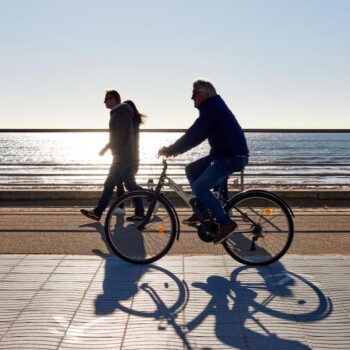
<point x="141" y="241"/>
<point x="260" y="237"/>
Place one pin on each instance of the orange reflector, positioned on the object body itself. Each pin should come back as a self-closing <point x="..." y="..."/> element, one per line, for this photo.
<point x="267" y="211"/>
<point x="161" y="230"/>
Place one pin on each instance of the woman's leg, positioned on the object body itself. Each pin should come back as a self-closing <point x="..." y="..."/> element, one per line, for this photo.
<point x="131" y="185"/>
<point x="120" y="192"/>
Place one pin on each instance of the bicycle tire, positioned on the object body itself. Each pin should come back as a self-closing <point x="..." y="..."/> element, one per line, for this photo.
<point x="275" y="224"/>
<point x="279" y="282"/>
<point x="140" y="245"/>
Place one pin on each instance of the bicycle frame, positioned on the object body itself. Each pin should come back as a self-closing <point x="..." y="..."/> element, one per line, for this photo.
<point x="189" y="199"/>
<point x="178" y="190"/>
<point x="164" y="180"/>
<point x="259" y="215"/>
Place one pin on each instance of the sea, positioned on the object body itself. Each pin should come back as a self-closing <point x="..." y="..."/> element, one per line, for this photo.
<point x="71" y="160"/>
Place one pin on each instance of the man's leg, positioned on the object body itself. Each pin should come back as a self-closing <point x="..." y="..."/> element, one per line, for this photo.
<point x="223" y="188"/>
<point x="120" y="189"/>
<point x="115" y="176"/>
<point x="215" y="173"/>
<point x="193" y="171"/>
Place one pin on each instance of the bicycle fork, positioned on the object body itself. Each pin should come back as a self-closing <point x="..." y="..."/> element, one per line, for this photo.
<point x="150" y="210"/>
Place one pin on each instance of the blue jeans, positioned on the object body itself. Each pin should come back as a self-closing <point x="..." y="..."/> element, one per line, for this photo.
<point x="120" y="186"/>
<point x="118" y="173"/>
<point x="206" y="173"/>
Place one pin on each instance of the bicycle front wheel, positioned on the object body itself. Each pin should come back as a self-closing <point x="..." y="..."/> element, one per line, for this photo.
<point x="265" y="228"/>
<point x="144" y="241"/>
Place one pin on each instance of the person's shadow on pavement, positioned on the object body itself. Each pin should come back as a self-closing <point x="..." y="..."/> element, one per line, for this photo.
<point x="120" y="278"/>
<point x="124" y="281"/>
<point x="230" y="320"/>
<point x="101" y="230"/>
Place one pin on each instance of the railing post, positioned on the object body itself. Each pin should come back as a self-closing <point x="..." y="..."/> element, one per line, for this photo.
<point x="242" y="179"/>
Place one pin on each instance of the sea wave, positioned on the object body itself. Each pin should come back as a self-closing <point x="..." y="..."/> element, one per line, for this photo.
<point x="32" y="160"/>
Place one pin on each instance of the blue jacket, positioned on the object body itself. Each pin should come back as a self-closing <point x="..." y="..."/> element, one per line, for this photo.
<point x="217" y="124"/>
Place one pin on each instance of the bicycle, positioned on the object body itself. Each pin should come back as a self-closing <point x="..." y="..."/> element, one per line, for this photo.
<point x="263" y="235"/>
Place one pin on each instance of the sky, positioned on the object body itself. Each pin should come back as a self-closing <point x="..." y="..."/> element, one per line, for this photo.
<point x="276" y="63"/>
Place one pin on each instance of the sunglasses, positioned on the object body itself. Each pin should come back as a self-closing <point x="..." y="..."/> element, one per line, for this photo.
<point x="195" y="93"/>
<point x="107" y="99"/>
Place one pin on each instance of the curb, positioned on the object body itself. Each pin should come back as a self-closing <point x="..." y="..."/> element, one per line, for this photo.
<point x="295" y="197"/>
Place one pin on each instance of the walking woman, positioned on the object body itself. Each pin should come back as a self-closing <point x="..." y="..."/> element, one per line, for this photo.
<point x="137" y="121"/>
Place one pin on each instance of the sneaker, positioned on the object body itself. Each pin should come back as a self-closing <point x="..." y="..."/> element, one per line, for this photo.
<point x="119" y="211"/>
<point x="91" y="214"/>
<point x="193" y="219"/>
<point x="135" y="218"/>
<point x="224" y="232"/>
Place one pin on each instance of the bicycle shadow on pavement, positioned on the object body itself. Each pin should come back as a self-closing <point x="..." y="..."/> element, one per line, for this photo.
<point x="146" y="291"/>
<point x="143" y="291"/>
<point x="246" y="307"/>
<point x="240" y="306"/>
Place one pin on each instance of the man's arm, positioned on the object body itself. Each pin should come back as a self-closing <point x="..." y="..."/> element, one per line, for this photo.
<point x="196" y="134"/>
<point x="104" y="149"/>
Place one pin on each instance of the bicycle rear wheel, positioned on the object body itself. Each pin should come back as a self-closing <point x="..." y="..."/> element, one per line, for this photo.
<point x="140" y="242"/>
<point x="265" y="228"/>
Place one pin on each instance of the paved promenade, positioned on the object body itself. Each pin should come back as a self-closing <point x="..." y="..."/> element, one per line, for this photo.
<point x="181" y="302"/>
<point x="59" y="288"/>
<point x="63" y="230"/>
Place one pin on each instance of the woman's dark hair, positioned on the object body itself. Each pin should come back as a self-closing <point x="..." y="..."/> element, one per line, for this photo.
<point x="138" y="116"/>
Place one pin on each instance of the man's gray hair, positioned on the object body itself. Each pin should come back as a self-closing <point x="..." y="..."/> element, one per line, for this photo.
<point x="203" y="85"/>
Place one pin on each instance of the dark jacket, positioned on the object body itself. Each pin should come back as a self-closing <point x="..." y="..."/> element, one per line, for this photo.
<point x="121" y="134"/>
<point x="217" y="124"/>
<point x="136" y="125"/>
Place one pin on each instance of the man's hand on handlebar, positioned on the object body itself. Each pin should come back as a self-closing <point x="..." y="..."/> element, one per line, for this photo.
<point x="164" y="151"/>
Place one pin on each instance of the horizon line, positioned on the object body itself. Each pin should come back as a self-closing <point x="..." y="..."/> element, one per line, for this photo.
<point x="272" y="130"/>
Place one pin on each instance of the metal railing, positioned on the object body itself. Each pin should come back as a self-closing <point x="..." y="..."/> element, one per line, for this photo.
<point x="255" y="175"/>
<point x="86" y="176"/>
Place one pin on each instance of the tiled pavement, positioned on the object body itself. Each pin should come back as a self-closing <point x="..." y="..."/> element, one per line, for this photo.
<point x="181" y="302"/>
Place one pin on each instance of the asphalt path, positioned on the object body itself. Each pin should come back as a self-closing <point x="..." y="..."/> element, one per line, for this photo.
<point x="52" y="229"/>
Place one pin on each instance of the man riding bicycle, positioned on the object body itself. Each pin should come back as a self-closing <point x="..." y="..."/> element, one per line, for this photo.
<point x="228" y="153"/>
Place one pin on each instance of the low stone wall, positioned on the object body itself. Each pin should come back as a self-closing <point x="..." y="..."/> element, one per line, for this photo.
<point x="294" y="197"/>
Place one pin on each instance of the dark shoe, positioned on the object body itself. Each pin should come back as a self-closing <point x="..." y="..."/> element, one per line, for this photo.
<point x="90" y="214"/>
<point x="194" y="219"/>
<point x="135" y="218"/>
<point x="224" y="232"/>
